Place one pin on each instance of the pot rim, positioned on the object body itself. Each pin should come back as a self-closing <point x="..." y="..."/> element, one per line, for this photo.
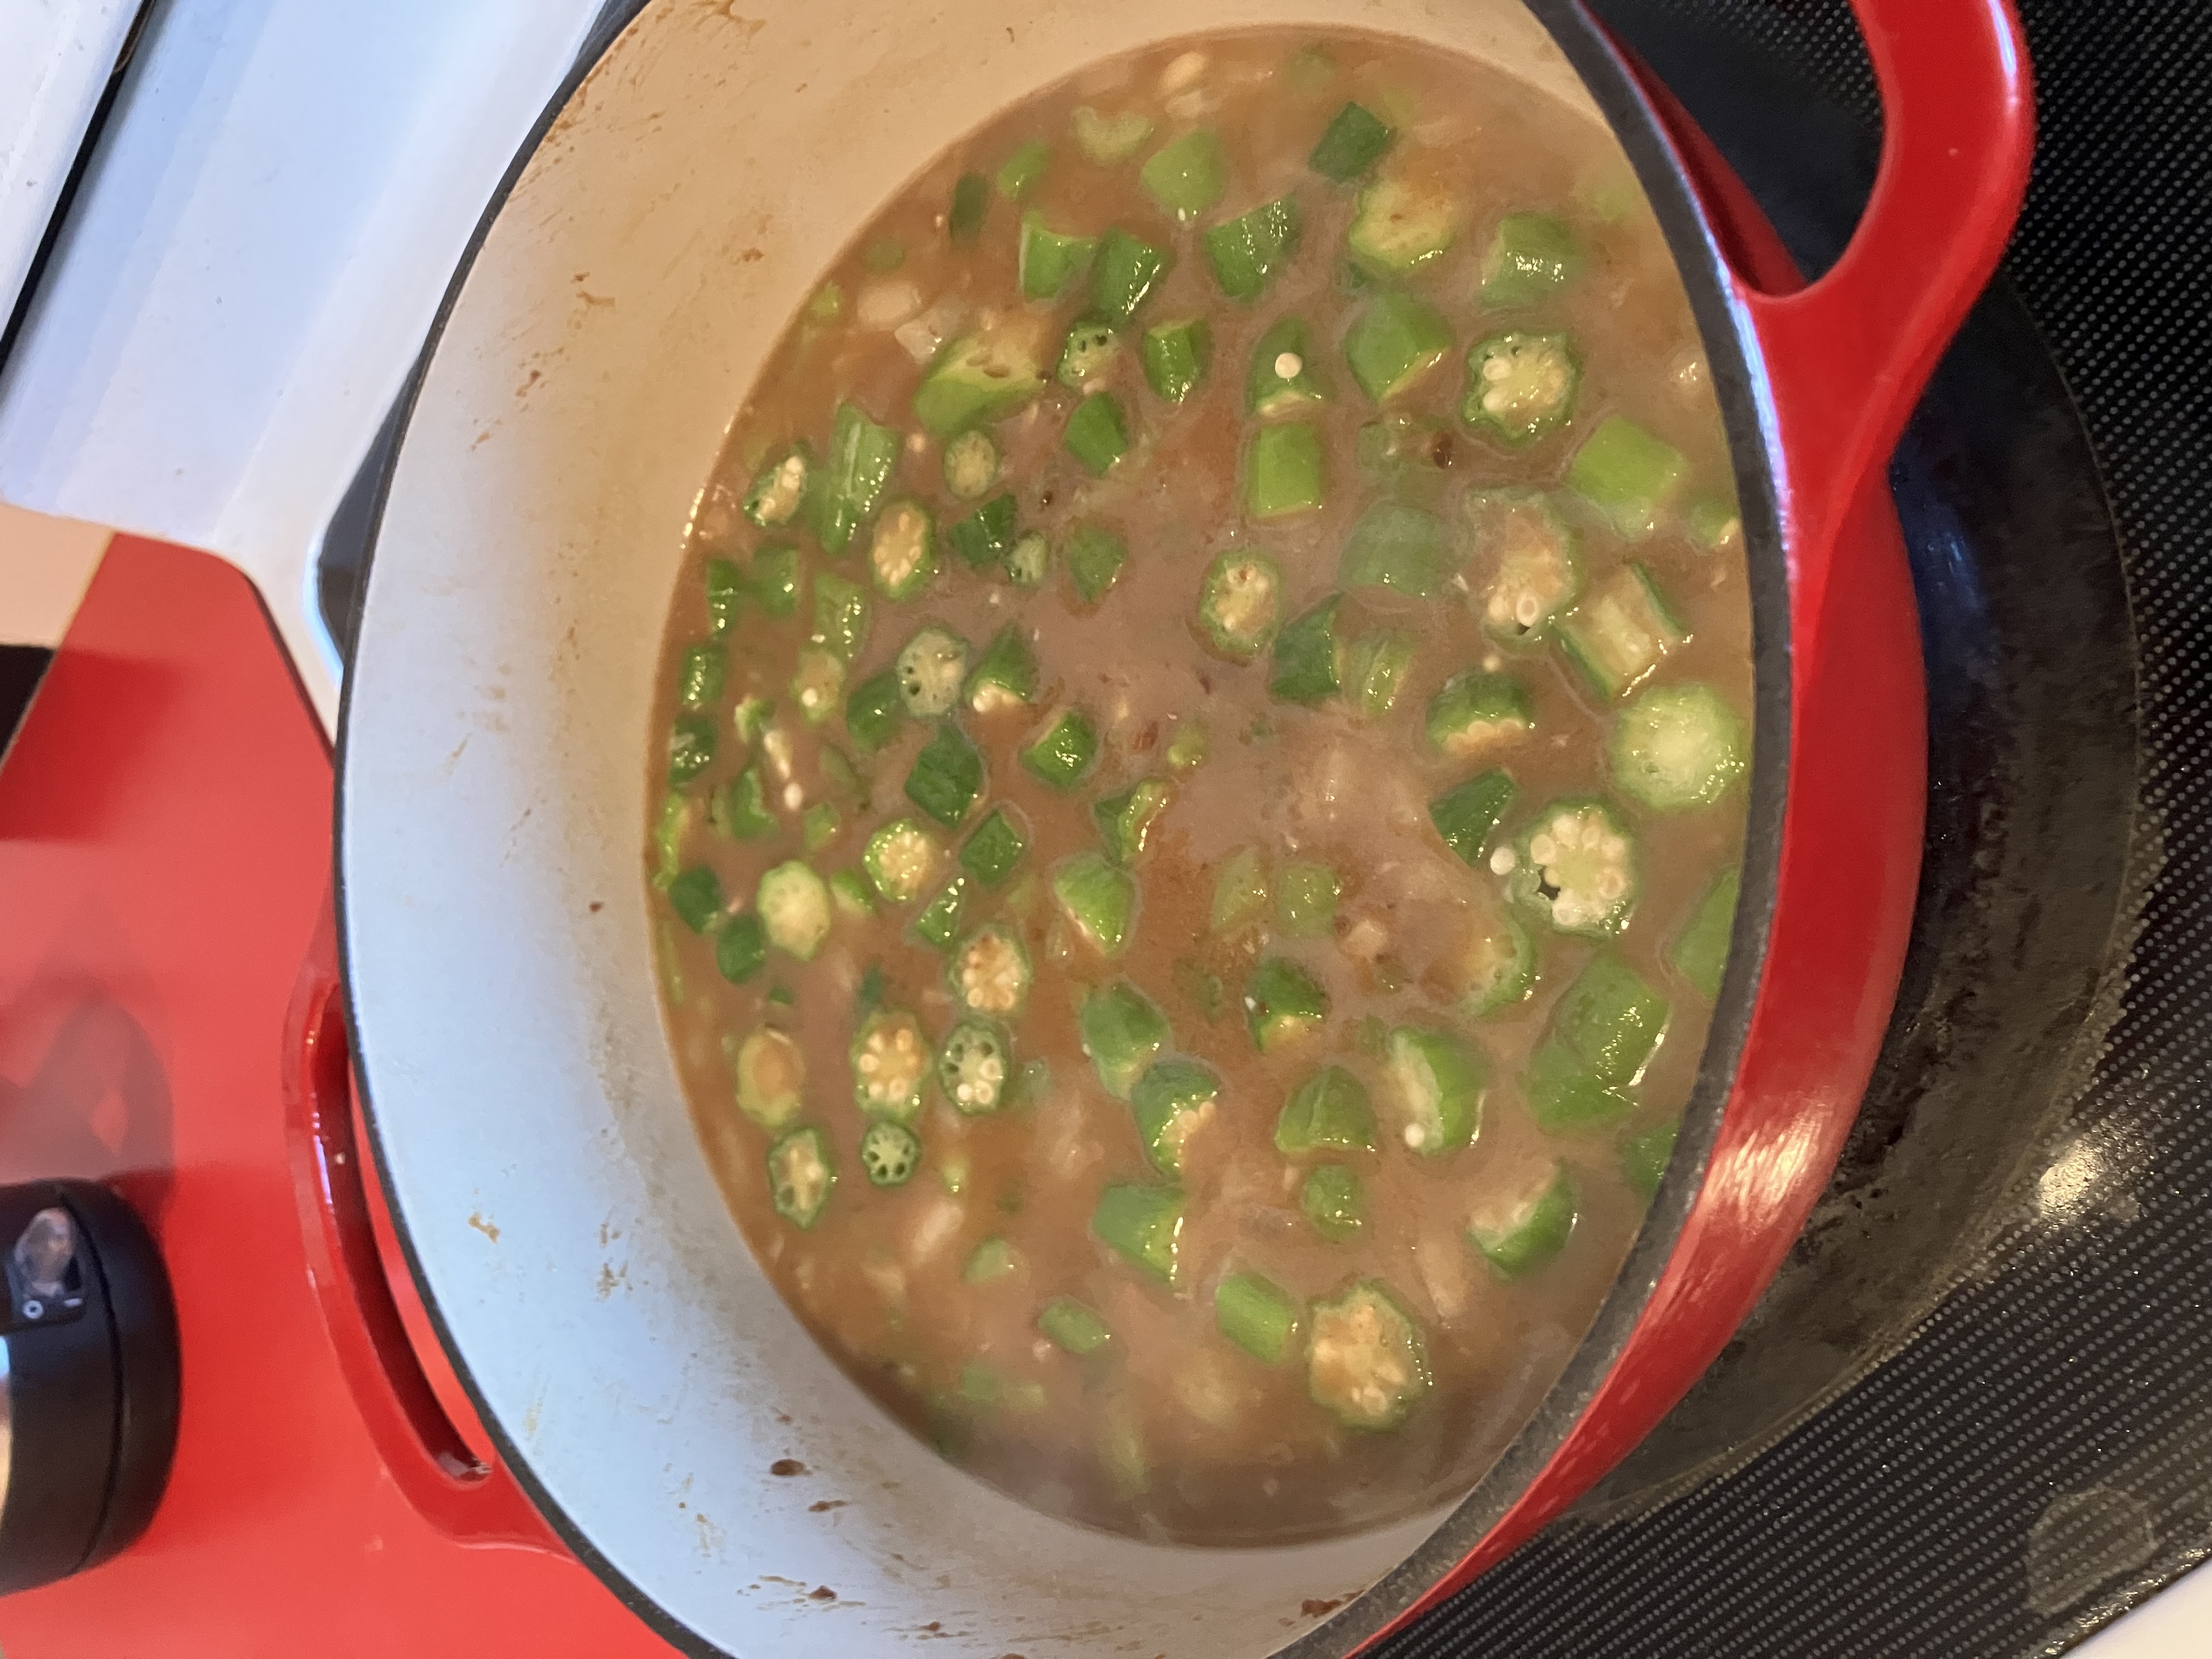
<point x="1734" y="361"/>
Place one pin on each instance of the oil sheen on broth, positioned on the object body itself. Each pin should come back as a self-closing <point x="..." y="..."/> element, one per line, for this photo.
<point x="1201" y="808"/>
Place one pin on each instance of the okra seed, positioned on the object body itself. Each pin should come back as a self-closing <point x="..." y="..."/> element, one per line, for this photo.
<point x="793" y="797"/>
<point x="1287" y="365"/>
<point x="1415" y="1136"/>
<point x="1494" y="368"/>
<point x="1503" y="860"/>
<point x="915" y="443"/>
<point x="1542" y="849"/>
<point x="1181" y="72"/>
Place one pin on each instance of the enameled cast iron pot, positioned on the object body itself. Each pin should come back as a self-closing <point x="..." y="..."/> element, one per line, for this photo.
<point x="642" y="1382"/>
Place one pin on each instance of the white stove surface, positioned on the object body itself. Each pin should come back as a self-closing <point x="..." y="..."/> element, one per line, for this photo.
<point x="251" y="266"/>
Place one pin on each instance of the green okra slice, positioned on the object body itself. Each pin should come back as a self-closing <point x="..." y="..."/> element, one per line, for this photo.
<point x="793" y="903"/>
<point x="1064" y="753"/>
<point x="996" y="847"/>
<point x="1283" y="474"/>
<point x="1282" y="1003"/>
<point x="1520" y="1228"/>
<point x="975" y="380"/>
<point x="1049" y="261"/>
<point x="739" y="808"/>
<point x="874" y="710"/>
<point x="1305" y="900"/>
<point x="1095" y="558"/>
<point x="1142" y="1224"/>
<point x="1335" y="1201"/>
<point x="1574" y="866"/>
<point x="1355" y="139"/>
<point x="1246" y="252"/>
<point x="947" y="775"/>
<point x="1701" y="949"/>
<point x="1125" y="820"/>
<point x="1520" y="385"/>
<point x="801" y="1176"/>
<point x="901" y="859"/>
<point x="1475" y="712"/>
<point x="1005" y="675"/>
<point x="889" y="1057"/>
<point x="700" y="674"/>
<point x="1437" y="1082"/>
<point x="1240" y="891"/>
<point x="1107" y="140"/>
<point x="1395" y="340"/>
<point x="975" y="1068"/>
<point x="1240" y="603"/>
<point x="1187" y="175"/>
<point x="1308" y="662"/>
<point x="902" y="551"/>
<point x="1097" y="433"/>
<point x="1176" y="356"/>
<point x="1127" y="270"/>
<point x="889" y="1153"/>
<point x="770" y="1072"/>
<point x="779" y="489"/>
<point x="971" y="464"/>
<point x="1257" y="1315"/>
<point x="853" y="473"/>
<point x="1402" y="223"/>
<point x="1285" y="375"/>
<point x="725" y="590"/>
<point x="1627" y="474"/>
<point x="985" y="536"/>
<point x="1330" y="1109"/>
<point x="938" y="920"/>
<point x="1531" y="257"/>
<point x="1088" y="352"/>
<point x="1611" y="1020"/>
<point x="1400" y="547"/>
<point x="1678" y="747"/>
<point x="1122" y="1031"/>
<point x="989" y="972"/>
<point x="1072" y="1326"/>
<point x="695" y="896"/>
<point x="691" y="747"/>
<point x="1099" y="899"/>
<point x="1172" y="1101"/>
<point x="1366" y="1365"/>
<point x="741" y="948"/>
<point x="1644" y="1158"/>
<point x="1466" y="814"/>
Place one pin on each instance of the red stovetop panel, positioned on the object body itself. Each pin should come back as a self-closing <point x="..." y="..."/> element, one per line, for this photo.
<point x="165" y="858"/>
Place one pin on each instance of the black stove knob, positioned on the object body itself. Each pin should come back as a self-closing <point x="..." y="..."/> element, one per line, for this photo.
<point x="88" y="1379"/>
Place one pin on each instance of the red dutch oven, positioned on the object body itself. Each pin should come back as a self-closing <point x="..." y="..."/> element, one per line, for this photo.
<point x="682" y="1435"/>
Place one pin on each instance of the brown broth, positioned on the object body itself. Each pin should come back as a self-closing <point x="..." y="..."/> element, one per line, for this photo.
<point x="1234" y="1450"/>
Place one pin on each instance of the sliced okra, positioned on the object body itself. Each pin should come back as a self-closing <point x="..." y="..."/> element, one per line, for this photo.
<point x="1678" y="747"/>
<point x="1127" y="272"/>
<point x="992" y="1259"/>
<point x="902" y="551"/>
<point x="771" y="1079"/>
<point x="1499" y="963"/>
<point x="1282" y="1003"/>
<point x="849" y="893"/>
<point x="775" y="581"/>
<point x="1437" y="1082"/>
<point x="1376" y="670"/>
<point x="937" y="922"/>
<point x="1466" y="814"/>
<point x="1400" y="547"/>
<point x="801" y="1176"/>
<point x="1172" y="1101"/>
<point x="1611" y="1020"/>
<point x="1283" y="472"/>
<point x="1305" y="900"/>
<point x="1354" y="141"/>
<point x="1330" y="1109"/>
<point x="1019" y="173"/>
<point x="1123" y="1031"/>
<point x="946" y="775"/>
<point x="1701" y="949"/>
<point x="841" y="615"/>
<point x="1028" y="561"/>
<point x="1335" y="1201"/>
<point x="1537" y="574"/>
<point x="1521" y="1228"/>
<point x="1574" y="866"/>
<point x="1074" y="1328"/>
<point x="985" y="536"/>
<point x="740" y="948"/>
<point x="1063" y="754"/>
<point x="1564" y="1095"/>
<point x="1396" y="340"/>
<point x="779" y="489"/>
<point x="1088" y="352"/>
<point x="1049" y="261"/>
<point x="1621" y="630"/>
<point x="1143" y="1226"/>
<point x="1520" y="385"/>
<point x="901" y="859"/>
<point x="1098" y="898"/>
<point x="874" y="709"/>
<point x="1176" y="356"/>
<point x="989" y="972"/>
<point x="971" y="464"/>
<point x="695" y="896"/>
<point x="818" y="825"/>
<point x="669" y="831"/>
<point x="1644" y="1158"/>
<point x="928" y="673"/>
<point x="977" y="379"/>
<point x="1365" y="1362"/>
<point x="1097" y="433"/>
<point x="891" y="1057"/>
<point x="853" y="473"/>
<point x="1531" y="257"/>
<point x="1627" y="474"/>
<point x="1476" y="712"/>
<point x="726" y="589"/>
<point x="700" y="674"/>
<point x="996" y="846"/>
<point x="1005" y="675"/>
<point x="1240" y="891"/>
<point x="1187" y="175"/>
<point x="691" y="747"/>
<point x="1257" y="1315"/>
<point x="1107" y="140"/>
<point x="1246" y="252"/>
<point x="739" y="808"/>
<point x="1095" y="558"/>
<point x="1125" y="820"/>
<point x="889" y="1153"/>
<point x="974" y="1068"/>
<point x="1309" y="657"/>
<point x="1715" y="524"/>
<point x="1285" y="374"/>
<point x="1240" y="603"/>
<point x="794" y="907"/>
<point x="817" y="684"/>
<point x="1403" y="221"/>
<point x="971" y="201"/>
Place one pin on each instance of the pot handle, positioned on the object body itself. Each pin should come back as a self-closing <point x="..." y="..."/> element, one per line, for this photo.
<point x="447" y="1483"/>
<point x="1846" y="357"/>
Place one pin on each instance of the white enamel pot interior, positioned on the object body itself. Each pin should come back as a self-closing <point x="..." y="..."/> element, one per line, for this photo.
<point x="524" y="1108"/>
